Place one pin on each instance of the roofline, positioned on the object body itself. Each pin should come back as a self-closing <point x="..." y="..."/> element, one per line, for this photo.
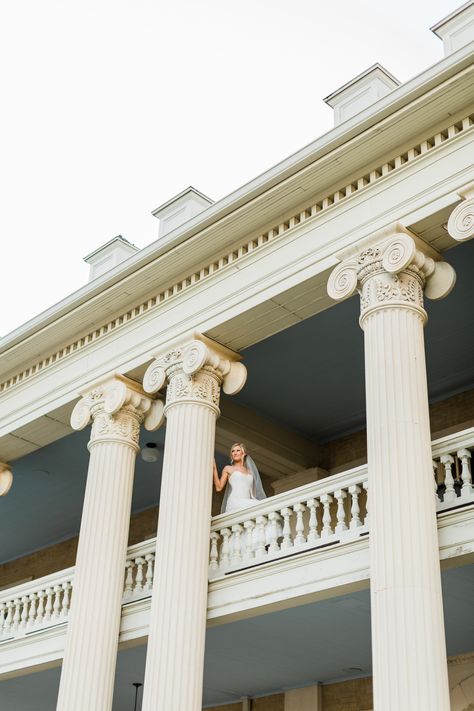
<point x="184" y="192"/>
<point x="451" y="15"/>
<point x="337" y="136"/>
<point x="363" y="74"/>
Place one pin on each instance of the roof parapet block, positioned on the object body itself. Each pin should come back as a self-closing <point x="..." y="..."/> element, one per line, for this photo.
<point x="362" y="91"/>
<point x="457" y="29"/>
<point x="180" y="209"/>
<point x="109" y="255"/>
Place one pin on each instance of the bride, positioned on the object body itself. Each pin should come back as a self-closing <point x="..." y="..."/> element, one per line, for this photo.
<point x="241" y="479"/>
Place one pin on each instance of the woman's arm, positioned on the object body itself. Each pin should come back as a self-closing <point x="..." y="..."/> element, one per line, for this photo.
<point x="219" y="483"/>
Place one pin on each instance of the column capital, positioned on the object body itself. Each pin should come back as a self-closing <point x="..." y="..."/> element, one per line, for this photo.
<point x="393" y="268"/>
<point x="194" y="370"/>
<point x="6" y="478"/>
<point x="117" y="407"/>
<point x="461" y="220"/>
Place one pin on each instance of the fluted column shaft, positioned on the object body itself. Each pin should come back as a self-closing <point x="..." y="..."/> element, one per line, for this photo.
<point x="175" y="653"/>
<point x="408" y="641"/>
<point x="117" y="407"/>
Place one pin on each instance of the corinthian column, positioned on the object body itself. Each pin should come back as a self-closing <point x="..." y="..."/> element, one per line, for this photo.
<point x="408" y="642"/>
<point x="117" y="407"/>
<point x="194" y="373"/>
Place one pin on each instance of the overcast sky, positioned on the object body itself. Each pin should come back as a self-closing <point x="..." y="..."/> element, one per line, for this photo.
<point x="111" y="107"/>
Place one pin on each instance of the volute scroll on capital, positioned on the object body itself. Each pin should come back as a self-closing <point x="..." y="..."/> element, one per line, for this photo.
<point x="6" y="478"/>
<point x="195" y="372"/>
<point x="396" y="271"/>
<point x="117" y="407"/>
<point x="461" y="221"/>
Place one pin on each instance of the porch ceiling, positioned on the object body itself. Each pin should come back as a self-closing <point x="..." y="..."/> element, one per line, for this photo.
<point x="326" y="641"/>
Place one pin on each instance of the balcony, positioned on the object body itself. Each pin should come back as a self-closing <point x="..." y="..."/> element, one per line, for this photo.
<point x="300" y="546"/>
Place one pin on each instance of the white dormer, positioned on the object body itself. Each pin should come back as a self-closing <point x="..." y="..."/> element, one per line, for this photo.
<point x="109" y="255"/>
<point x="180" y="209"/>
<point x="359" y="93"/>
<point x="457" y="29"/>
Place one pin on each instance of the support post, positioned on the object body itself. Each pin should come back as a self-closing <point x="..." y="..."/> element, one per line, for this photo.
<point x="194" y="373"/>
<point x="408" y="641"/>
<point x="117" y="407"/>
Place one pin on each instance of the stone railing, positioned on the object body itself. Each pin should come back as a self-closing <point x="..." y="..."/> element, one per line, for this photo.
<point x="46" y="602"/>
<point x="452" y="469"/>
<point x="322" y="513"/>
<point x="139" y="570"/>
<point x="36" y="605"/>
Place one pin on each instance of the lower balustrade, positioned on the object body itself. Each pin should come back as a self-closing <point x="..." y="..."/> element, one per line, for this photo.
<point x="329" y="512"/>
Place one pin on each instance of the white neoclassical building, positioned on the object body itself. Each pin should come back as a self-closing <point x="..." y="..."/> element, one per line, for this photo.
<point x="323" y="315"/>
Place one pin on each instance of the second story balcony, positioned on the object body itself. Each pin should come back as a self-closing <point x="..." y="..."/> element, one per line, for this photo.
<point x="297" y="548"/>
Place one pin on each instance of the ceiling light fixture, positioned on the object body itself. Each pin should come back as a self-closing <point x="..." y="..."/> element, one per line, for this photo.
<point x="150" y="452"/>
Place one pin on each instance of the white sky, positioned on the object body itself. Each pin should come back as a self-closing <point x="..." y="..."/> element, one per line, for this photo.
<point x="111" y="107"/>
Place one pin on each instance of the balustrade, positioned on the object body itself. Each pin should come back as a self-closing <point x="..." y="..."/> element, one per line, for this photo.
<point x="330" y="511"/>
<point x="139" y="570"/>
<point x="452" y="469"/>
<point x="32" y="606"/>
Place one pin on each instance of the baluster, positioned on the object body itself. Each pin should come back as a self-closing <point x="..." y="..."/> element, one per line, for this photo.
<point x="326" y="500"/>
<point x="150" y="559"/>
<point x="225" y="548"/>
<point x="365" y="485"/>
<point x="57" y="602"/>
<point x="340" y="495"/>
<point x="450" y="494"/>
<point x="213" y="554"/>
<point x="300" y="539"/>
<point x="434" y="464"/>
<point x="24" y="612"/>
<point x="261" y="538"/>
<point x="32" y="611"/>
<point x="128" y="589"/>
<point x="467" y="491"/>
<point x="3" y="614"/>
<point x="313" y="534"/>
<point x="49" y="604"/>
<point x="274" y="519"/>
<point x="16" y="614"/>
<point x="66" y="599"/>
<point x="9" y="618"/>
<point x="139" y="576"/>
<point x="236" y="543"/>
<point x="287" y="540"/>
<point x="354" y="491"/>
<point x="249" y="541"/>
<point x="40" y="610"/>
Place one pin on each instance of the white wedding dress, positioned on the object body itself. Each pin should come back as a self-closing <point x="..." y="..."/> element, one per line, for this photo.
<point x="241" y="495"/>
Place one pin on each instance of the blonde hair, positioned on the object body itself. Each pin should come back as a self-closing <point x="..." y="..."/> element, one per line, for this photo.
<point x="237" y="444"/>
